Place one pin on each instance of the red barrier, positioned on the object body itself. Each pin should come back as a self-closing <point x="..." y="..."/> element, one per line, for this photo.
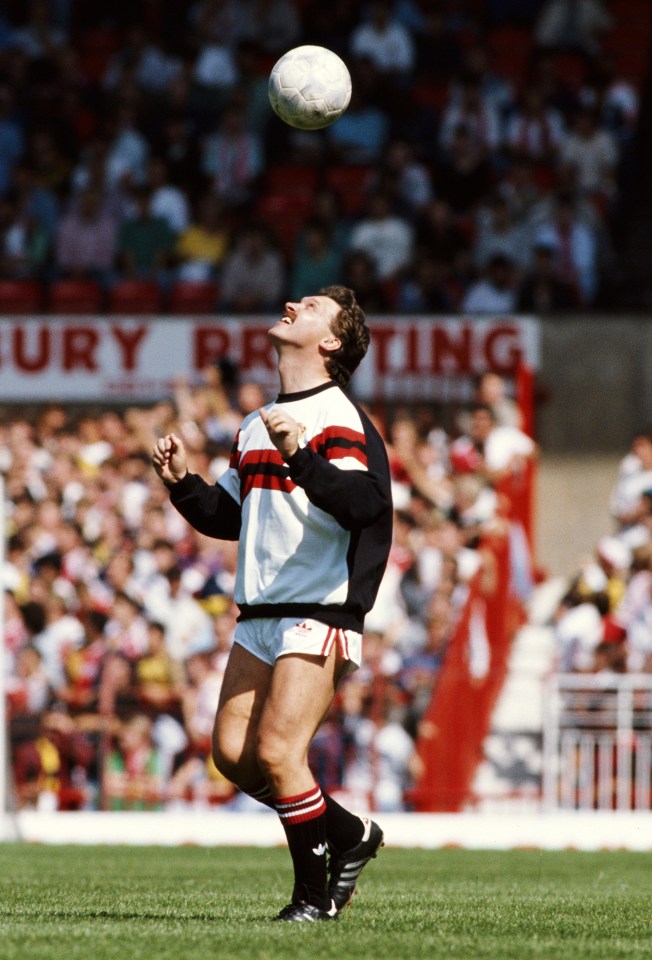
<point x="458" y="718"/>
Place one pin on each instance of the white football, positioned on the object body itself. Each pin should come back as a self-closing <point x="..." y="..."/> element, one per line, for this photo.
<point x="309" y="87"/>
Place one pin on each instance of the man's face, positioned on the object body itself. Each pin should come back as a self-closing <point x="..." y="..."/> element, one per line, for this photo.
<point x="307" y="323"/>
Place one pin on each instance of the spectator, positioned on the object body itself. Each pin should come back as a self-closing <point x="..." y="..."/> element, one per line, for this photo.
<point x="318" y="263"/>
<point x="427" y="288"/>
<point x="39" y="39"/>
<point x="495" y="292"/>
<point x="385" y="41"/>
<point x="593" y="153"/>
<point x="62" y="634"/>
<point x="152" y="68"/>
<point x="500" y="450"/>
<point x="24" y="242"/>
<point x="188" y="627"/>
<point x="133" y="778"/>
<point x="492" y="390"/>
<point x="633" y="480"/>
<point x="463" y="175"/>
<point x="272" y="24"/>
<point x="178" y="146"/>
<point x="438" y="234"/>
<point x="145" y="242"/>
<point x="386" y="237"/>
<point x="12" y="138"/>
<point x="202" y="247"/>
<point x="542" y="290"/>
<point x="634" y="613"/>
<point x="159" y="678"/>
<point x="128" y="150"/>
<point x="475" y="114"/>
<point x="360" y="136"/>
<point x="579" y="629"/>
<point x="233" y="158"/>
<point x="86" y="240"/>
<point x="572" y="25"/>
<point x="360" y="274"/>
<point x="167" y="200"/>
<point x="574" y="244"/>
<point x="535" y="131"/>
<point x="253" y="274"/>
<point x="405" y="178"/>
<point x="498" y="233"/>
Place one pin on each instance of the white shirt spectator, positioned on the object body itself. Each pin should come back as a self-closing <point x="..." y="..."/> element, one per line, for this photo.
<point x="505" y="443"/>
<point x="390" y="49"/>
<point x="387" y="239"/>
<point x="577" y="633"/>
<point x="484" y="297"/>
<point x="171" y="204"/>
<point x="594" y="158"/>
<point x="215" y="67"/>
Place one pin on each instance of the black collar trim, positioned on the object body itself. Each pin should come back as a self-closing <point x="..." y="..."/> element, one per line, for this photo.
<point x="302" y="394"/>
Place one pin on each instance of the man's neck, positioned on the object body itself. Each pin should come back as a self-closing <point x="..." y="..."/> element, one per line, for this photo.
<point x="297" y="376"/>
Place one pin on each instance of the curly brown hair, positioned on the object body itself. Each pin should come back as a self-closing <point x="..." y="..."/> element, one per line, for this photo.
<point x="349" y="326"/>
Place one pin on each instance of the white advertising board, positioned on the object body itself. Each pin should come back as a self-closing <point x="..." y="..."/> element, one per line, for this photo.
<point x="137" y="359"/>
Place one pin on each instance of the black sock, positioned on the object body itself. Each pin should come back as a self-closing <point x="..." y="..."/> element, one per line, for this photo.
<point x="343" y="829"/>
<point x="304" y="821"/>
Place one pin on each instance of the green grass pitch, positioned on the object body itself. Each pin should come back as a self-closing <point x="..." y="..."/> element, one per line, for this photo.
<point x="191" y="903"/>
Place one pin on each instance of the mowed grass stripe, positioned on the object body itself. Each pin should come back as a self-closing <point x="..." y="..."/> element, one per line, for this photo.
<point x="189" y="903"/>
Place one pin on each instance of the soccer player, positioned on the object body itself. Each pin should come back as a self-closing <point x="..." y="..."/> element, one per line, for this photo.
<point x="307" y="495"/>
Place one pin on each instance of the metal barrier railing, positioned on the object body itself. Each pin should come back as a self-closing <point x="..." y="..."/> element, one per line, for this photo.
<point x="597" y="742"/>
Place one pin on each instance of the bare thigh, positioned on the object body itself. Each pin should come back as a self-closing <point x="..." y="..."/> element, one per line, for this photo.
<point x="245" y="689"/>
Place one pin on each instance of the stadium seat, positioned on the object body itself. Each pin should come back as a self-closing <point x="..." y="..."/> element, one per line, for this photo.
<point x="291" y="179"/>
<point x="20" y="296"/>
<point x="193" y="297"/>
<point x="75" y="296"/>
<point x="135" y="296"/>
<point x="350" y="184"/>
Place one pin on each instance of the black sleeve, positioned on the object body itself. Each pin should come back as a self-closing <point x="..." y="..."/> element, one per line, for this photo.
<point x="355" y="498"/>
<point x="207" y="507"/>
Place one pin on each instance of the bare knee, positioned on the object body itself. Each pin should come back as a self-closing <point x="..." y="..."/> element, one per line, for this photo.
<point x="276" y="754"/>
<point x="234" y="761"/>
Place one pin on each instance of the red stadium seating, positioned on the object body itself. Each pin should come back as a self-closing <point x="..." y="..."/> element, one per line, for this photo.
<point x="20" y="296"/>
<point x="193" y="297"/>
<point x="75" y="296"/>
<point x="350" y="183"/>
<point x="135" y="296"/>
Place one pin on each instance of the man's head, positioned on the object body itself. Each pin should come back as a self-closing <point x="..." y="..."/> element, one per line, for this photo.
<point x="350" y="328"/>
<point x="330" y="325"/>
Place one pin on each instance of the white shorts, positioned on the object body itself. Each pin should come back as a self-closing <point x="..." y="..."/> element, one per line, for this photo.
<point x="269" y="638"/>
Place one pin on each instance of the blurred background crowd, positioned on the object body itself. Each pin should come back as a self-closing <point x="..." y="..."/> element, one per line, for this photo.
<point x="119" y="617"/>
<point x="482" y="166"/>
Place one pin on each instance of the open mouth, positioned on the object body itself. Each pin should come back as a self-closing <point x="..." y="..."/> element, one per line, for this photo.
<point x="287" y="320"/>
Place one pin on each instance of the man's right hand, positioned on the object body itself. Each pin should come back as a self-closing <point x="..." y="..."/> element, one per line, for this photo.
<point x="169" y="458"/>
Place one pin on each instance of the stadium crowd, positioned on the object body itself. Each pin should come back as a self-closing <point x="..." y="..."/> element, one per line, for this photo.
<point x="119" y="616"/>
<point x="604" y="621"/>
<point x="478" y="168"/>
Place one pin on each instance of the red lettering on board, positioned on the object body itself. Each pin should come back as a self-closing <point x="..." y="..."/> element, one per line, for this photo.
<point x="381" y="337"/>
<point x="451" y="345"/>
<point x="79" y="345"/>
<point x="256" y="349"/>
<point x="129" y="341"/>
<point x="37" y="361"/>
<point x="209" y="344"/>
<point x="502" y="349"/>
